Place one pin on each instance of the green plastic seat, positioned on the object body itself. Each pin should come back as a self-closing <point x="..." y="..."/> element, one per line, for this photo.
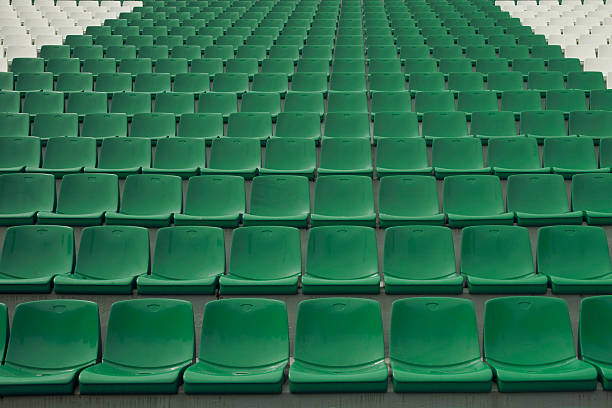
<point x="153" y="83"/>
<point x="387" y="82"/>
<point x="43" y="102"/>
<point x="413" y="51"/>
<point x="187" y="260"/>
<point x="109" y="260"/>
<point x="564" y="65"/>
<point x="422" y="326"/>
<point x="182" y="157"/>
<point x="83" y="103"/>
<point x="401" y="155"/>
<point x="114" y="82"/>
<point x="547" y="52"/>
<point x="192" y="83"/>
<point x="343" y="155"/>
<point x="487" y="125"/>
<point x="395" y="125"/>
<point x="23" y="196"/>
<point x="236" y="83"/>
<point x="454" y="156"/>
<point x="250" y="125"/>
<point x="418" y="65"/>
<point x="497" y="259"/>
<point x="74" y="82"/>
<point x="540" y="199"/>
<point x="586" y="81"/>
<point x="347" y="124"/>
<point x="257" y="52"/>
<point x="278" y="66"/>
<point x="477" y="101"/>
<point x="218" y="102"/>
<point x="465" y="81"/>
<point x="32" y="256"/>
<point x="562" y="253"/>
<point x="310" y="65"/>
<point x="223" y="52"/>
<point x="137" y="359"/>
<point x="99" y="66"/>
<point x="512" y="52"/>
<point x="343" y="199"/>
<point x="543" y="124"/>
<point x="229" y="333"/>
<point x="419" y="259"/>
<point x="591" y="124"/>
<point x="289" y="156"/>
<point x="131" y="103"/>
<point x="593" y="335"/>
<point x="236" y="156"/>
<point x="474" y="200"/>
<point x="426" y="81"/>
<point x="590" y="194"/>
<point x="514" y="155"/>
<point x="148" y="200"/>
<point x="349" y="66"/>
<point x="304" y="102"/>
<point x="122" y="156"/>
<point x="248" y="66"/>
<point x="10" y="102"/>
<point x="206" y="126"/>
<point x="272" y="83"/>
<point x="505" y="81"/>
<point x="482" y="52"/>
<point x="489" y="65"/>
<point x="259" y="102"/>
<point x="210" y="66"/>
<point x="51" y="125"/>
<point x="136" y="66"/>
<point x="34" y="81"/>
<point x="63" y="65"/>
<point x="120" y="52"/>
<point x="17" y="153"/>
<point x="443" y="125"/>
<point x="264" y="260"/>
<point x="349" y="52"/>
<point x="65" y="155"/>
<point x="47" y="348"/>
<point x="528" y="342"/>
<point x="83" y="200"/>
<point x="7" y="81"/>
<point x="54" y="51"/>
<point x="545" y="81"/>
<point x="385" y="65"/>
<point x="299" y="125"/>
<point x="339" y="347"/>
<point x="601" y="100"/>
<point x="349" y="101"/>
<point x="309" y="82"/>
<point x="566" y="101"/>
<point x="87" y="52"/>
<point x="352" y="269"/>
<point x="174" y="102"/>
<point x="347" y="82"/>
<point x="521" y="101"/>
<point x="571" y="155"/>
<point x="291" y="52"/>
<point x="446" y="51"/>
<point x="217" y="200"/>
<point x="455" y="65"/>
<point x="153" y="126"/>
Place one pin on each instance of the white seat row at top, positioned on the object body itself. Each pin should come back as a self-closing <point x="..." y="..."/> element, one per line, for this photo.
<point x="26" y="27"/>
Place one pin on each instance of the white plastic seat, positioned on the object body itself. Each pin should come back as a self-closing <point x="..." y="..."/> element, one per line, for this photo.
<point x="581" y="52"/>
<point x="75" y="30"/>
<point x="11" y="30"/>
<point x="561" y="21"/>
<point x="592" y="39"/>
<point x="36" y="31"/>
<point x="604" y="51"/>
<point x="603" y="65"/>
<point x="17" y="39"/>
<point x="20" y="51"/>
<point x="562" y="40"/>
<point x="10" y="22"/>
<point x="3" y="65"/>
<point x="575" y="30"/>
<point x="602" y="30"/>
<point x="47" y="40"/>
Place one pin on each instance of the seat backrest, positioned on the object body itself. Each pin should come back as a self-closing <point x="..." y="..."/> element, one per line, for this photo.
<point x="527" y="331"/>
<point x="592" y="192"/>
<point x="150" y="333"/>
<point x="479" y="195"/>
<point x="211" y="194"/>
<point x="88" y="193"/>
<point x="54" y="334"/>
<point x="461" y="152"/>
<point x="339" y="332"/>
<point x="19" y="151"/>
<point x="424" y="331"/>
<point x="537" y="193"/>
<point x="233" y="329"/>
<point x="273" y="194"/>
<point x="332" y="194"/>
<point x="232" y="153"/>
<point x="177" y="153"/>
<point x="20" y="193"/>
<point x="569" y="152"/>
<point x="146" y="193"/>
<point x="594" y="332"/>
<point x="64" y="152"/>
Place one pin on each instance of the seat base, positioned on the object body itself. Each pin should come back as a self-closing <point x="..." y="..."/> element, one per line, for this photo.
<point x="294" y="172"/>
<point x="225" y="220"/>
<point x="315" y="285"/>
<point x="182" y="173"/>
<point x="534" y="284"/>
<point x="441" y="172"/>
<point x="388" y="220"/>
<point x="561" y="285"/>
<point x="504" y="173"/>
<point x="444" y="285"/>
<point x="50" y="218"/>
<point x="246" y="173"/>
<point x="534" y="220"/>
<point x="474" y="376"/>
<point x="321" y="171"/>
<point x="8" y="284"/>
<point x="152" y="220"/>
<point x="383" y="171"/>
<point x="233" y="285"/>
<point x="598" y="218"/>
<point x="298" y="220"/>
<point x="24" y="381"/>
<point x="459" y="221"/>
<point x="158" y="285"/>
<point x="568" y="173"/>
<point x="25" y="218"/>
<point x="366" y="220"/>
<point x="207" y="378"/>
<point x="75" y="284"/>
<point x="371" y="378"/>
<point x="121" y="173"/>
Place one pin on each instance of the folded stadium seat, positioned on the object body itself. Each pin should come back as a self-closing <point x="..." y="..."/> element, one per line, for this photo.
<point x="490" y="65"/>
<point x="480" y="52"/>
<point x="591" y="124"/>
<point x="152" y="83"/>
<point x="593" y="333"/>
<point x="426" y="81"/>
<point x="512" y="52"/>
<point x="434" y="101"/>
<point x="514" y="155"/>
<point x="385" y="65"/>
<point x="109" y="260"/>
<point x="489" y="125"/>
<point x="416" y="65"/>
<point x="498" y="260"/>
<point x="237" y="156"/>
<point x="540" y="199"/>
<point x="309" y="66"/>
<point x="122" y="156"/>
<point x="453" y="156"/>
<point x="189" y="52"/>
<point x="83" y="103"/>
<point x="505" y="81"/>
<point x="547" y="52"/>
<point x="218" y="102"/>
<point x="211" y="66"/>
<point x="35" y="81"/>
<point x="50" y="125"/>
<point x="69" y="82"/>
<point x="200" y="252"/>
<point x="455" y="65"/>
<point x="445" y="51"/>
<point x="565" y="65"/>
<point x="261" y="102"/>
<point x="304" y="102"/>
<point x="54" y="51"/>
<point x="352" y="66"/>
<point x="420" y="259"/>
<point x="250" y="125"/>
<point x="571" y="155"/>
<point x="257" y="52"/>
<point x="474" y="200"/>
<point x="408" y="52"/>
<point x="590" y="195"/>
<point x="339" y="347"/>
<point x="226" y="332"/>
<point x="347" y="124"/>
<point x="465" y="81"/>
<point x="17" y="153"/>
<point x="542" y="124"/>
<point x="174" y="102"/>
<point x="298" y="125"/>
<point x="114" y="82"/>
<point x="10" y="102"/>
<point x="289" y="156"/>
<point x="422" y="326"/>
<point x="14" y="124"/>
<point x="65" y="155"/>
<point x="277" y="66"/>
<point x="148" y="200"/>
<point x="216" y="200"/>
<point x="309" y="82"/>
<point x="235" y="41"/>
<point x="477" y="101"/>
<point x="137" y="364"/>
<point x="45" y="358"/>
<point x="567" y="101"/>
<point x="32" y="256"/>
<point x="521" y="101"/>
<point x="43" y="102"/>
<point x="63" y="65"/>
<point x="120" y="52"/>
<point x="88" y="52"/>
<point x="549" y="363"/>
<point x="170" y="41"/>
<point x="586" y="81"/>
<point x="395" y="125"/>
<point x="343" y="155"/>
<point x="349" y="51"/>
<point x="205" y="126"/>
<point x="191" y="83"/>
<point x="386" y="82"/>
<point x="248" y="66"/>
<point x="444" y="125"/>
<point x="545" y="81"/>
<point x="352" y="102"/>
<point x="279" y="200"/>
<point x="271" y="82"/>
<point x="7" y="81"/>
<point x="153" y="126"/>
<point x="236" y="83"/>
<point x="347" y="82"/>
<point x="601" y="100"/>
<point x="528" y="65"/>
<point x="343" y="199"/>
<point x="98" y="66"/>
<point x="182" y="157"/>
<point x="83" y="200"/>
<point x="131" y="103"/>
<point x="396" y="156"/>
